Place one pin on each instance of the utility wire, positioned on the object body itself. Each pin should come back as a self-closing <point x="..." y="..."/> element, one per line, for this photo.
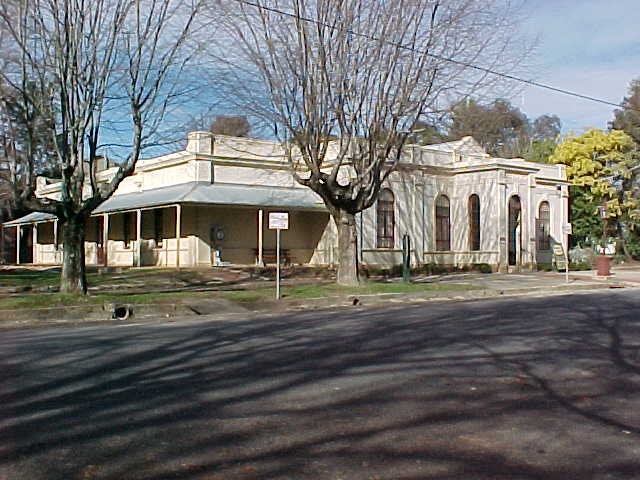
<point x="437" y="57"/>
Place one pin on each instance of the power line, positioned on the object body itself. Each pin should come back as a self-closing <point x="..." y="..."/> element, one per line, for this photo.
<point x="438" y="57"/>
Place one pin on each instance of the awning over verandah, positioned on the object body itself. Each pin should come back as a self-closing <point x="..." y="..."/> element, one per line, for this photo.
<point x="195" y="193"/>
<point x="33" y="217"/>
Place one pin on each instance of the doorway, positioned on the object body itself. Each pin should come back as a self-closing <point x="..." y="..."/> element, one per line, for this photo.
<point x="100" y="257"/>
<point x="515" y="235"/>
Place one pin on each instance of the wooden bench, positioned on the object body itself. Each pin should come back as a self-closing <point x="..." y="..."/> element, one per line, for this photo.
<point x="269" y="255"/>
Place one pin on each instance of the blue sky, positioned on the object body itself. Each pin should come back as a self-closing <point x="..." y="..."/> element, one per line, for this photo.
<point x="588" y="46"/>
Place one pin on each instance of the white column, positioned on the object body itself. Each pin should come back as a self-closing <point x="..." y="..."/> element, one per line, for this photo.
<point x="17" y="244"/>
<point x="178" y="221"/>
<point x="424" y="223"/>
<point x="56" y="255"/>
<point x="360" y="242"/>
<point x="529" y="239"/>
<point x="503" y="222"/>
<point x="413" y="250"/>
<point x="105" y="238"/>
<point x="278" y="264"/>
<point x="564" y="209"/>
<point x="260" y="237"/>
<point x="138" y="238"/>
<point x="34" y="243"/>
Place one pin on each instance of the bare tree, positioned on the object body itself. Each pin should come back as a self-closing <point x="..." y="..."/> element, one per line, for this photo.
<point x="344" y="81"/>
<point x="14" y="165"/>
<point x="83" y="65"/>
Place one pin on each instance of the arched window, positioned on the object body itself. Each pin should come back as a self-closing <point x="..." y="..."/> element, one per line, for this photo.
<point x="474" y="222"/>
<point x="543" y="225"/>
<point x="443" y="222"/>
<point x="386" y="220"/>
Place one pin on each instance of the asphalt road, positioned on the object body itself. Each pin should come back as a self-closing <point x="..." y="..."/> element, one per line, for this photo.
<point x="537" y="388"/>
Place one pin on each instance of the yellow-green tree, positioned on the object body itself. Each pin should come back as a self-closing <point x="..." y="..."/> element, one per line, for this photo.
<point x="601" y="167"/>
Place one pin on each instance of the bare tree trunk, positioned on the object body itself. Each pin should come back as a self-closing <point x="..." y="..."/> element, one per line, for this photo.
<point x="347" y="247"/>
<point x="74" y="278"/>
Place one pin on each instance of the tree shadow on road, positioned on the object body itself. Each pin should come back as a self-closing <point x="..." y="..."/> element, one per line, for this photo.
<point x="524" y="389"/>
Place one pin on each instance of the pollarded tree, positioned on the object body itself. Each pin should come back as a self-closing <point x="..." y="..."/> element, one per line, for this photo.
<point x="84" y="65"/>
<point x="344" y="81"/>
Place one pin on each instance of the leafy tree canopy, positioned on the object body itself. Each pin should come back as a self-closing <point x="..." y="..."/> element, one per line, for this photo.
<point x="546" y="128"/>
<point x="540" y="150"/>
<point x="628" y="118"/>
<point x="601" y="167"/>
<point x="425" y="133"/>
<point x="595" y="158"/>
<point x="237" y="126"/>
<point x="499" y="127"/>
<point x="503" y="130"/>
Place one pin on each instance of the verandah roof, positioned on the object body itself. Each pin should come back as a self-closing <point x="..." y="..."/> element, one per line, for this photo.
<point x="33" y="217"/>
<point x="200" y="193"/>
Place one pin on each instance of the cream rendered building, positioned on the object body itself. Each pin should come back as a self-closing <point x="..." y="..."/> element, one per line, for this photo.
<point x="209" y="204"/>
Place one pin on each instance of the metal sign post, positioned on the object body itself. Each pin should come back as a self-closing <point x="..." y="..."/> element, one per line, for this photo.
<point x="277" y="264"/>
<point x="567" y="229"/>
<point x="406" y="258"/>
<point x="278" y="221"/>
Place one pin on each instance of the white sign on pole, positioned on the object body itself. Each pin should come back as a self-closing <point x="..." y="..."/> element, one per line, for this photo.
<point x="278" y="221"/>
<point x="567" y="228"/>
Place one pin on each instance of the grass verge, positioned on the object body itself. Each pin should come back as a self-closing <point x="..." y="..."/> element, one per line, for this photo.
<point x="242" y="297"/>
<point x="249" y="297"/>
<point x="49" y="300"/>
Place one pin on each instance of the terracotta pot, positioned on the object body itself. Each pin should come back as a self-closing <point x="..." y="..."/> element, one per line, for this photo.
<point x="603" y="266"/>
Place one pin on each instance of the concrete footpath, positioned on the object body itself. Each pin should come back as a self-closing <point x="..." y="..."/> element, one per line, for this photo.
<point x="473" y="286"/>
<point x="487" y="286"/>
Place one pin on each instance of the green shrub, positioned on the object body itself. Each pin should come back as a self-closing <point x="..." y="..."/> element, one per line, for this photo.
<point x="579" y="266"/>
<point x="633" y="245"/>
<point x="482" y="268"/>
<point x="396" y="270"/>
<point x="430" y="269"/>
